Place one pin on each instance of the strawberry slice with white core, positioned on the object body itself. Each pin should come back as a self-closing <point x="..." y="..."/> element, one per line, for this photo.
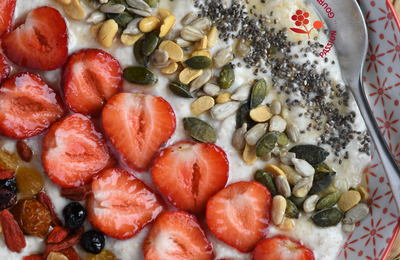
<point x="121" y="205"/>
<point x="74" y="151"/>
<point x="7" y="8"/>
<point x="41" y="42"/>
<point x="177" y="235"/>
<point x="188" y="174"/>
<point x="90" y="77"/>
<point x="138" y="125"/>
<point x="28" y="106"/>
<point x="4" y="69"/>
<point x="281" y="248"/>
<point x="239" y="214"/>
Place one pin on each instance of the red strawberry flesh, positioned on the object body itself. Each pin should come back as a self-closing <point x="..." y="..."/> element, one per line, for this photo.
<point x="177" y="235"/>
<point x="90" y="78"/>
<point x="188" y="174"/>
<point x="40" y="43"/>
<point x="138" y="125"/>
<point x="28" y="106"/>
<point x="4" y="69"/>
<point x="121" y="205"/>
<point x="7" y="8"/>
<point x="73" y="151"/>
<point x="239" y="214"/>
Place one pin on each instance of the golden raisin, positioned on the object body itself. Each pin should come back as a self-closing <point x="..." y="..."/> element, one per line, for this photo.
<point x="8" y="161"/>
<point x="29" y="181"/>
<point x="104" y="255"/>
<point x="32" y="217"/>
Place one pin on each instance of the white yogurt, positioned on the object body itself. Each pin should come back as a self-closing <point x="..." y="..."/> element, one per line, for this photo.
<point x="325" y="242"/>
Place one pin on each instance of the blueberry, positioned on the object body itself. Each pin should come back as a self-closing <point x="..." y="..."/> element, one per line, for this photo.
<point x="93" y="241"/>
<point x="9" y="184"/>
<point x="74" y="215"/>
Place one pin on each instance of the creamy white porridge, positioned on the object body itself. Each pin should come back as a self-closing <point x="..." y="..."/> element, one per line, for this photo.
<point x="325" y="242"/>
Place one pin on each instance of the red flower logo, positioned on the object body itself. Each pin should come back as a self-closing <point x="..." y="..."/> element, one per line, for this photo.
<point x="300" y="19"/>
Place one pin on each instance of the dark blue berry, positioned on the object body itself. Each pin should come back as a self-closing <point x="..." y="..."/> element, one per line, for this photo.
<point x="9" y="184"/>
<point x="93" y="241"/>
<point x="74" y="215"/>
<point x="7" y="198"/>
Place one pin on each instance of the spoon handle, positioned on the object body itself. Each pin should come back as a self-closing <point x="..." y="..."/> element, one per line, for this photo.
<point x="388" y="161"/>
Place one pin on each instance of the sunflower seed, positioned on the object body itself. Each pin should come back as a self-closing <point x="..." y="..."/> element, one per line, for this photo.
<point x="139" y="12"/>
<point x="287" y="158"/>
<point x="282" y="186"/>
<point x="255" y="133"/>
<point x="189" y="33"/>
<point x="242" y="93"/>
<point x="202" y="24"/>
<point x="303" y="187"/>
<point x="211" y="89"/>
<point x="276" y="107"/>
<point x="222" y="57"/>
<point x="183" y="43"/>
<point x="221" y="111"/>
<point x="189" y="18"/>
<point x="348" y="228"/>
<point x="303" y="167"/>
<point x="132" y="27"/>
<point x="96" y="17"/>
<point x="159" y="59"/>
<point x="310" y="203"/>
<point x="238" y="140"/>
<point x="356" y="214"/>
<point x="103" y="1"/>
<point x="111" y="8"/>
<point x="293" y="132"/>
<point x="139" y="5"/>
<point x="201" y="81"/>
<point x="95" y="4"/>
<point x="277" y="124"/>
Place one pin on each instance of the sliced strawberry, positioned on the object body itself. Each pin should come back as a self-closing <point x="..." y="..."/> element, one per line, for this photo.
<point x="138" y="125"/>
<point x="7" y="8"/>
<point x="4" y="68"/>
<point x="28" y="106"/>
<point x="281" y="248"/>
<point x="121" y="205"/>
<point x="177" y="235"/>
<point x="90" y="78"/>
<point x="73" y="151"/>
<point x="239" y="214"/>
<point x="40" y="43"/>
<point x="188" y="174"/>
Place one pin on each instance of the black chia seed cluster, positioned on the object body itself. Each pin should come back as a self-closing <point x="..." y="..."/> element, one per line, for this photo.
<point x="270" y="50"/>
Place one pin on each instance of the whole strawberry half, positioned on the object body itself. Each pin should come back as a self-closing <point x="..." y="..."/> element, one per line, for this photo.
<point x="74" y="151"/>
<point x="90" y="77"/>
<point x="239" y="214"/>
<point x="138" y="125"/>
<point x="188" y="174"/>
<point x="281" y="248"/>
<point x="28" y="106"/>
<point x="7" y="8"/>
<point x="121" y="205"/>
<point x="40" y="43"/>
<point x="177" y="235"/>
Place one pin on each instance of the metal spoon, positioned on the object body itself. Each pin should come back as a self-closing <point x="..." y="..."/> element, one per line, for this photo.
<point x="351" y="46"/>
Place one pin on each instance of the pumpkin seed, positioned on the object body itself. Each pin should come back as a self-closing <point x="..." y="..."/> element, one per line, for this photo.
<point x="201" y="80"/>
<point x="348" y="200"/>
<point x="243" y="116"/>
<point x="227" y="76"/>
<point x="139" y="56"/>
<point x="266" y="143"/>
<point x="150" y="43"/>
<point x="258" y="92"/>
<point x="328" y="201"/>
<point x="198" y="62"/>
<point x="298" y="201"/>
<point x="140" y="76"/>
<point x="283" y="139"/>
<point x="282" y="186"/>
<point x="238" y="140"/>
<point x="211" y="89"/>
<point x="242" y="93"/>
<point x="180" y="90"/>
<point x="152" y="3"/>
<point x="311" y="153"/>
<point x="122" y="19"/>
<point x="323" y="167"/>
<point x="291" y="210"/>
<point x="327" y="218"/>
<point x="302" y="187"/>
<point x="139" y="4"/>
<point x="348" y="228"/>
<point x="321" y="182"/>
<point x="310" y="203"/>
<point x="355" y="214"/>
<point x="200" y="130"/>
<point x="221" y="111"/>
<point x="266" y="179"/>
<point x="278" y="209"/>
<point x="292" y="176"/>
<point x="222" y="57"/>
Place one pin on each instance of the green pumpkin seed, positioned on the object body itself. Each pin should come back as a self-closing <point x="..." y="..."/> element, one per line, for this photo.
<point x="198" y="62"/>
<point x="328" y="201"/>
<point x="243" y="116"/>
<point x="140" y="76"/>
<point x="323" y="167"/>
<point x="180" y="90"/>
<point x="266" y="143"/>
<point x="150" y="42"/>
<point x="200" y="130"/>
<point x="227" y="76"/>
<point x="283" y="139"/>
<point x="291" y="209"/>
<point x="139" y="56"/>
<point x="152" y="3"/>
<point x="298" y="201"/>
<point x="266" y="179"/>
<point x="321" y="182"/>
<point x="258" y="92"/>
<point x="122" y="2"/>
<point x="122" y="19"/>
<point x="327" y="218"/>
<point x="311" y="153"/>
